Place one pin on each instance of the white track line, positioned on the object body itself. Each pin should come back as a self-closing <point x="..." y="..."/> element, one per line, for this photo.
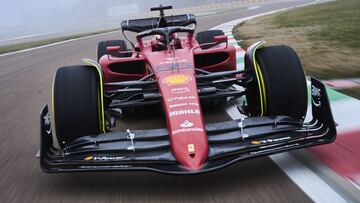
<point x="56" y="43"/>
<point x="316" y="188"/>
<point x="28" y="36"/>
<point x="253" y="7"/>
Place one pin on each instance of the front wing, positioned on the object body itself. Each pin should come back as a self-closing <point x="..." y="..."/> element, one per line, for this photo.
<point x="229" y="142"/>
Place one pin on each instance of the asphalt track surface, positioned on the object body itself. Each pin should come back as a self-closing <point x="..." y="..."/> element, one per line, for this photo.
<point x="25" y="87"/>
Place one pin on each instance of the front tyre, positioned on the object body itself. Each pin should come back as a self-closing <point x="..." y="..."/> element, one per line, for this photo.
<point x="76" y="103"/>
<point x="279" y="86"/>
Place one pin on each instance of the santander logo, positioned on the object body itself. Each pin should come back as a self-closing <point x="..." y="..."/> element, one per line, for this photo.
<point x="186" y="124"/>
<point x="187" y="127"/>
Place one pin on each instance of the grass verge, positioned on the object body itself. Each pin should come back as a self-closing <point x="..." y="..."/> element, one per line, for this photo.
<point x="325" y="36"/>
<point x="27" y="45"/>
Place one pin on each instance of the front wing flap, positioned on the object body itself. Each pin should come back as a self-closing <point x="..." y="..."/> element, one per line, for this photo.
<point x="229" y="142"/>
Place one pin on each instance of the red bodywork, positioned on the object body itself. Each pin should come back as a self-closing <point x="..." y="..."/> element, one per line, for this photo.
<point x="175" y="73"/>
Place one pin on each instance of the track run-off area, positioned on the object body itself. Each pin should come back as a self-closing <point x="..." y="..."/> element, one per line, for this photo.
<point x="328" y="173"/>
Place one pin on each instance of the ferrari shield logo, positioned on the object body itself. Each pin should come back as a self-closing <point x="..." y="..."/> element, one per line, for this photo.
<point x="191" y="148"/>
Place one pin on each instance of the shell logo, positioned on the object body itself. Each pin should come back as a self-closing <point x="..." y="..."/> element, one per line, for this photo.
<point x="178" y="79"/>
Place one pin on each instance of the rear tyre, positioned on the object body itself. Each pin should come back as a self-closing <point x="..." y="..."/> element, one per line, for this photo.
<point x="102" y="48"/>
<point x="76" y="103"/>
<point x="284" y="83"/>
<point x="207" y="37"/>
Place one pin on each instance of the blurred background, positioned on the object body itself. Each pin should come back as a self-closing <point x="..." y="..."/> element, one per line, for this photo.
<point x="23" y="19"/>
<point x="37" y="37"/>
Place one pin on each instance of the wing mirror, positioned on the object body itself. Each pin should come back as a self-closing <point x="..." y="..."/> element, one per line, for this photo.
<point x="220" y="38"/>
<point x="113" y="49"/>
<point x="216" y="41"/>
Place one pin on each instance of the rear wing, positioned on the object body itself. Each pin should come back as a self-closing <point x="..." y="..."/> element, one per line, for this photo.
<point x="139" y="25"/>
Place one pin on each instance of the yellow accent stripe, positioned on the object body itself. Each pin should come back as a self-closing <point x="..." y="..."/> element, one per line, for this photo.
<point x="259" y="80"/>
<point x="99" y="111"/>
<point x="52" y="100"/>
<point x="101" y="98"/>
<point x="262" y="87"/>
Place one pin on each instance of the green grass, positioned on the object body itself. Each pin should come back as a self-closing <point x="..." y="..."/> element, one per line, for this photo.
<point x="325" y="36"/>
<point x="27" y="45"/>
<point x="337" y="21"/>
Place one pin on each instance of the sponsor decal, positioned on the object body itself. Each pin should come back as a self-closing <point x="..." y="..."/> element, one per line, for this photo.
<point x="176" y="59"/>
<point x="170" y="99"/>
<point x="186" y="124"/>
<point x="168" y="65"/>
<point x="47" y="119"/>
<point x="47" y="123"/>
<point x="176" y="79"/>
<point x="183" y="104"/>
<point x="184" y="112"/>
<point x="102" y="167"/>
<point x="103" y="158"/>
<point x="193" y="104"/>
<point x="48" y="131"/>
<point x="178" y="105"/>
<point x="172" y="60"/>
<point x="186" y="130"/>
<point x="191" y="148"/>
<point x="179" y="90"/>
<point x="256" y="142"/>
<point x="316" y="95"/>
<point x="273" y="149"/>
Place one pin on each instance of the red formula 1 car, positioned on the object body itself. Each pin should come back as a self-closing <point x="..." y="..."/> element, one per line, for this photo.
<point x="181" y="74"/>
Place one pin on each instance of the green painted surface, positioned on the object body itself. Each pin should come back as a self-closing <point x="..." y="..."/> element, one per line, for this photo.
<point x="333" y="95"/>
<point x="233" y="43"/>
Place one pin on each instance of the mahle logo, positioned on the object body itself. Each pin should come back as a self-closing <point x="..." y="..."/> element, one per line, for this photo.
<point x="184" y="112"/>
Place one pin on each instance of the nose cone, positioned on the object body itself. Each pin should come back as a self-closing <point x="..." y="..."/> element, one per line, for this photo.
<point x="188" y="138"/>
<point x="184" y="117"/>
<point x="190" y="155"/>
